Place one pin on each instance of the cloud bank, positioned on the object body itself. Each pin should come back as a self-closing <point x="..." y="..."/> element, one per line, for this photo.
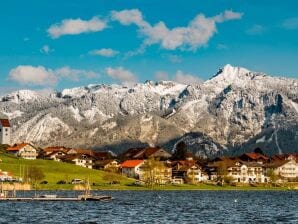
<point x="104" y="52"/>
<point x="76" y="26"/>
<point x="41" y="76"/>
<point x="179" y="77"/>
<point x="191" y="37"/>
<point x="121" y="75"/>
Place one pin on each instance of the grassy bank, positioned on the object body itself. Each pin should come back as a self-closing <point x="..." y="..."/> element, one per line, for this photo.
<point x="57" y="171"/>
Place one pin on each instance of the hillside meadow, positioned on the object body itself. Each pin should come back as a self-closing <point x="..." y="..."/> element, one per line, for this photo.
<point x="57" y="171"/>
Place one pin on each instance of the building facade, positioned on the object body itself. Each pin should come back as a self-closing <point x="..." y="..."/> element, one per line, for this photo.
<point x="131" y="168"/>
<point x="24" y="150"/>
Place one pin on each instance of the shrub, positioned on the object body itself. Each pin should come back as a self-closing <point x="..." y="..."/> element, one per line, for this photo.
<point x="61" y="182"/>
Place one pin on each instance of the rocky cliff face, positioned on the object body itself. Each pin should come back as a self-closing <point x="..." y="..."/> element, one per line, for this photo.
<point x="232" y="112"/>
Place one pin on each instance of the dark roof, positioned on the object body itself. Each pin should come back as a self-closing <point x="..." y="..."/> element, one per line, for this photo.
<point x="253" y="156"/>
<point x="276" y="163"/>
<point x="5" y="123"/>
<point x="285" y="156"/>
<point x="102" y="155"/>
<point x="142" y="153"/>
<point x="103" y="163"/>
<point x="55" y="149"/>
<point x="71" y="157"/>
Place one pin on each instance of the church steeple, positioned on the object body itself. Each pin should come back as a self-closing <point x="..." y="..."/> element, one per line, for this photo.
<point x="4" y="131"/>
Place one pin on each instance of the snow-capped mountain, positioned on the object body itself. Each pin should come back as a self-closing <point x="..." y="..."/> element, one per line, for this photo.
<point x="233" y="111"/>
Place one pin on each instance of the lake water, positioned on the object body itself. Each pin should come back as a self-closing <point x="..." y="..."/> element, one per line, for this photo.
<point x="160" y="207"/>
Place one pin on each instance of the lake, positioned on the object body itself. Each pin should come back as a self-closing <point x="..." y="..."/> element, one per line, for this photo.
<point x="160" y="207"/>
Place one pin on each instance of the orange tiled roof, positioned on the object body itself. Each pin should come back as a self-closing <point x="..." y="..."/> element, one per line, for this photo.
<point x="131" y="163"/>
<point x="17" y="147"/>
<point x="5" y="123"/>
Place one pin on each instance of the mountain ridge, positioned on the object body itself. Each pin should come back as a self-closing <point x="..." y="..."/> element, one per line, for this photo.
<point x="227" y="111"/>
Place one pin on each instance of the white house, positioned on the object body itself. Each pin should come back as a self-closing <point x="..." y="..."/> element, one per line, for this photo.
<point x="24" y="150"/>
<point x="131" y="168"/>
<point x="287" y="168"/>
<point x="189" y="170"/>
<point x="4" y="131"/>
<point x="56" y="156"/>
<point x="247" y="172"/>
<point x="83" y="160"/>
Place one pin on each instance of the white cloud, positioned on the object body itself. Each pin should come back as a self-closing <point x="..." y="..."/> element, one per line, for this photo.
<point x="126" y="77"/>
<point x="74" y="74"/>
<point x="41" y="76"/>
<point x="227" y="15"/>
<point x="255" y="30"/>
<point x="128" y="17"/>
<point x="180" y="77"/>
<point x="161" y="76"/>
<point x="191" y="37"/>
<point x="76" y="26"/>
<point x="291" y="23"/>
<point x="29" y="75"/>
<point x="185" y="78"/>
<point x="105" y="52"/>
<point x="46" y="49"/>
<point x="173" y="58"/>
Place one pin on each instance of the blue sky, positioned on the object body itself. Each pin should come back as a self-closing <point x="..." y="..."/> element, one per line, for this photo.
<point x="43" y="44"/>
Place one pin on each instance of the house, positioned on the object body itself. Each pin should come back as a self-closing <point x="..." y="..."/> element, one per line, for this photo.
<point x="240" y="171"/>
<point x="189" y="171"/>
<point x="247" y="172"/>
<point x="5" y="176"/>
<point x="56" y="155"/>
<point x="103" y="155"/>
<point x="286" y="168"/>
<point x="107" y="165"/>
<point x="145" y="153"/>
<point x="215" y="167"/>
<point x="80" y="151"/>
<point x="24" y="150"/>
<point x="4" y="131"/>
<point x="50" y="150"/>
<point x="131" y="168"/>
<point x="83" y="160"/>
<point x="99" y="155"/>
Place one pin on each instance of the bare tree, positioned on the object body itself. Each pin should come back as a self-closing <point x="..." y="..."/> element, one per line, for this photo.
<point x="34" y="175"/>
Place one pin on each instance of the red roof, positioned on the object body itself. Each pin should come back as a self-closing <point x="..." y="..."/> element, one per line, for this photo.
<point x="5" y="123"/>
<point x="17" y="147"/>
<point x="131" y="163"/>
<point x="255" y="156"/>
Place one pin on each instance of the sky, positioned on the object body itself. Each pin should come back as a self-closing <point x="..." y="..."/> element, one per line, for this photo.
<point x="54" y="44"/>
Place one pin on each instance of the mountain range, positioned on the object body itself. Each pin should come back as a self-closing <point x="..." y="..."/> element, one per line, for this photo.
<point x="235" y="111"/>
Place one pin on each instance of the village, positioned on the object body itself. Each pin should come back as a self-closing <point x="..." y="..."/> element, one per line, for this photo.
<point x="156" y="166"/>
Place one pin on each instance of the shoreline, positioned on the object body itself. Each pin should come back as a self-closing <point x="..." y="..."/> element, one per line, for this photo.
<point x="173" y="188"/>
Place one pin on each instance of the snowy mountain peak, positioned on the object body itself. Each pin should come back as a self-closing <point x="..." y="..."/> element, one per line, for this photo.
<point x="229" y="75"/>
<point x="21" y="96"/>
<point x="230" y="72"/>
